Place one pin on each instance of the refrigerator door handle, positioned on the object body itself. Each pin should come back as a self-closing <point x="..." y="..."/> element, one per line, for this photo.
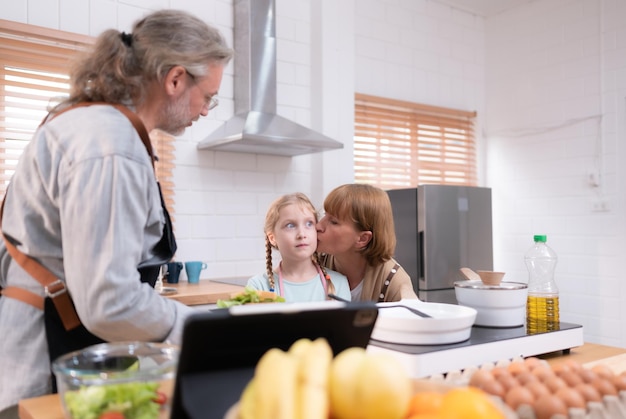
<point x="420" y="238"/>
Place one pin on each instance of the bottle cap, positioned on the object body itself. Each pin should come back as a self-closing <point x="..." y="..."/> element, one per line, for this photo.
<point x="540" y="238"/>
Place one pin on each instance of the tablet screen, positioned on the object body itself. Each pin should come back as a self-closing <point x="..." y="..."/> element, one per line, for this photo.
<point x="221" y="347"/>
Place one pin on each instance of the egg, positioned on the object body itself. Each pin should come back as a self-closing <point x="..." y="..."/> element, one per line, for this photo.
<point x="560" y="368"/>
<point x="533" y="362"/>
<point x="549" y="405"/>
<point x="499" y="371"/>
<point x="571" y="397"/>
<point x="479" y="377"/>
<point x="571" y="378"/>
<point x="517" y="367"/>
<point x="494" y="388"/>
<point x="542" y="372"/>
<point x="603" y="371"/>
<point x="604" y="386"/>
<point x="589" y="392"/>
<point x="555" y="383"/>
<point x="538" y="388"/>
<point x="507" y="381"/>
<point x="619" y="381"/>
<point x="525" y="377"/>
<point x="587" y="375"/>
<point x="574" y="366"/>
<point x="518" y="396"/>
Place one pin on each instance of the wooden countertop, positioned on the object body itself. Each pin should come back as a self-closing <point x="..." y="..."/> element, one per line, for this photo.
<point x="49" y="407"/>
<point x="589" y="352"/>
<point x="204" y="292"/>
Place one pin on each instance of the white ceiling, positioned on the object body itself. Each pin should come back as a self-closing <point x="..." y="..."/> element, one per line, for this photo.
<point x="485" y="7"/>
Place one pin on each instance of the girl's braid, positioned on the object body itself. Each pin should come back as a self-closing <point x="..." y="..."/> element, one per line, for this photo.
<point x="331" y="286"/>
<point x="268" y="263"/>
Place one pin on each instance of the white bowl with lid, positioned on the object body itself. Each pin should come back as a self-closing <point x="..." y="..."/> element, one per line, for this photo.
<point x="502" y="305"/>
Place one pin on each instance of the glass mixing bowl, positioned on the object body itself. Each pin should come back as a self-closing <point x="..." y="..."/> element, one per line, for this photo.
<point x="135" y="379"/>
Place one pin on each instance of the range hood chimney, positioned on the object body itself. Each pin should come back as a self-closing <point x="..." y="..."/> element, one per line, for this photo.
<point x="256" y="128"/>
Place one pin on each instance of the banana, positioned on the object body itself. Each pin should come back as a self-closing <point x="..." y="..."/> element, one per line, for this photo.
<point x="290" y="385"/>
<point x="314" y="359"/>
<point x="275" y="387"/>
<point x="247" y="401"/>
<point x="300" y="347"/>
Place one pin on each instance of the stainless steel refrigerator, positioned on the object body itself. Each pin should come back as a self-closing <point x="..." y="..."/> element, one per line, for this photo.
<point x="440" y="229"/>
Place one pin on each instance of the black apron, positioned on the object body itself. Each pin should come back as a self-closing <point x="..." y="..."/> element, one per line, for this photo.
<point x="61" y="341"/>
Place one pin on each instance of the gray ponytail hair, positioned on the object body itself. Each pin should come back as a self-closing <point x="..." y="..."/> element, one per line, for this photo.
<point x="120" y="66"/>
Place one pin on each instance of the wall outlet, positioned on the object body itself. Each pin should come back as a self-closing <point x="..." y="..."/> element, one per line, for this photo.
<point x="600" y="205"/>
<point x="593" y="178"/>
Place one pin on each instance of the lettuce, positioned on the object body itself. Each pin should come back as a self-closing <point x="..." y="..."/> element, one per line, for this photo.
<point x="133" y="400"/>
<point x="248" y="296"/>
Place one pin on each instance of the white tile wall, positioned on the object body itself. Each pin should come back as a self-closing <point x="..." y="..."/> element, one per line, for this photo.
<point x="555" y="114"/>
<point x="548" y="81"/>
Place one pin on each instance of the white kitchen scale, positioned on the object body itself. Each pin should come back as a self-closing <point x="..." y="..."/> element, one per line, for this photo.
<point x="485" y="345"/>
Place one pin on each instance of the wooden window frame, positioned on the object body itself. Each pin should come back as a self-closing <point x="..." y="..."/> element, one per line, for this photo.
<point x="31" y="55"/>
<point x="399" y="144"/>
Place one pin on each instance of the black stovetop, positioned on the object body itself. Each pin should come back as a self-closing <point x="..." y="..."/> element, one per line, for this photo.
<point x="478" y="336"/>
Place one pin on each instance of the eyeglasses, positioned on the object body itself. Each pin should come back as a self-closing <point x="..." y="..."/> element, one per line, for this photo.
<point x="210" y="101"/>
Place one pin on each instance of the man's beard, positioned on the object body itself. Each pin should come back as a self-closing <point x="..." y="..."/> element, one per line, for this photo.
<point x="176" y="116"/>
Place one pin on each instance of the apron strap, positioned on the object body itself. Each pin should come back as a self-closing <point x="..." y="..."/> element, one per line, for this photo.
<point x="24" y="296"/>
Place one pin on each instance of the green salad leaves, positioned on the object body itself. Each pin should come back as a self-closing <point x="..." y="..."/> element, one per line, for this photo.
<point x="132" y="400"/>
<point x="250" y="295"/>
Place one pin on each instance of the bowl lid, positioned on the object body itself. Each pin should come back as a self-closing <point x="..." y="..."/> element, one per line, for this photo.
<point x="450" y="323"/>
<point x="483" y="286"/>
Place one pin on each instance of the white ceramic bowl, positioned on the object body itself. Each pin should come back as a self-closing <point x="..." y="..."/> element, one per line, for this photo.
<point x="450" y="323"/>
<point x="137" y="375"/>
<point x="501" y="305"/>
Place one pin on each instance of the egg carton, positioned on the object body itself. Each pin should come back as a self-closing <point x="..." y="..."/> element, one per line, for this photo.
<point x="460" y="378"/>
<point x="611" y="407"/>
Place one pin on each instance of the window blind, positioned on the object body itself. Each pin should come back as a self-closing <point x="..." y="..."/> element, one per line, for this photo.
<point x="400" y="144"/>
<point x="34" y="66"/>
<point x="33" y="71"/>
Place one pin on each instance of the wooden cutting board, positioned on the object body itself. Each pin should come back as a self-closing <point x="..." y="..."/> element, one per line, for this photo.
<point x="617" y="363"/>
<point x="41" y="407"/>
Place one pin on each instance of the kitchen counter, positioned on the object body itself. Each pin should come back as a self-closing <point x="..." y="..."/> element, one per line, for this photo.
<point x="204" y="292"/>
<point x="49" y="407"/>
<point x="589" y="352"/>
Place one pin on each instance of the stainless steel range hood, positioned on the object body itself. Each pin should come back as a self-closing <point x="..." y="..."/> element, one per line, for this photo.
<point x="256" y="128"/>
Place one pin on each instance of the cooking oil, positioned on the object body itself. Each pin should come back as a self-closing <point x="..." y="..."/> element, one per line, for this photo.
<point x="542" y="314"/>
<point x="542" y="305"/>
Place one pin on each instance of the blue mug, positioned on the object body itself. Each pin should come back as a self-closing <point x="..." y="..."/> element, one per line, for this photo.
<point x="173" y="272"/>
<point x="193" y="271"/>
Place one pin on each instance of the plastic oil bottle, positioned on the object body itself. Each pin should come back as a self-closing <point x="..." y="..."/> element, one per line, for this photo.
<point x="542" y="306"/>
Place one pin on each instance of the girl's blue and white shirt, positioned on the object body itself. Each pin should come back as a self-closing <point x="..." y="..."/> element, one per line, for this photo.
<point x="311" y="290"/>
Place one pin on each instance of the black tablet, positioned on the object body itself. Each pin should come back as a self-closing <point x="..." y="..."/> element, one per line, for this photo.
<point x="220" y="348"/>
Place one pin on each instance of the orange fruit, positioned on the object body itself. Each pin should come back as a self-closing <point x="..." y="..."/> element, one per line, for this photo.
<point x="425" y="402"/>
<point x="468" y="403"/>
<point x="424" y="416"/>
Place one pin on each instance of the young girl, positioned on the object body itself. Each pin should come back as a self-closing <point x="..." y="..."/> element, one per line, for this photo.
<point x="290" y="229"/>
